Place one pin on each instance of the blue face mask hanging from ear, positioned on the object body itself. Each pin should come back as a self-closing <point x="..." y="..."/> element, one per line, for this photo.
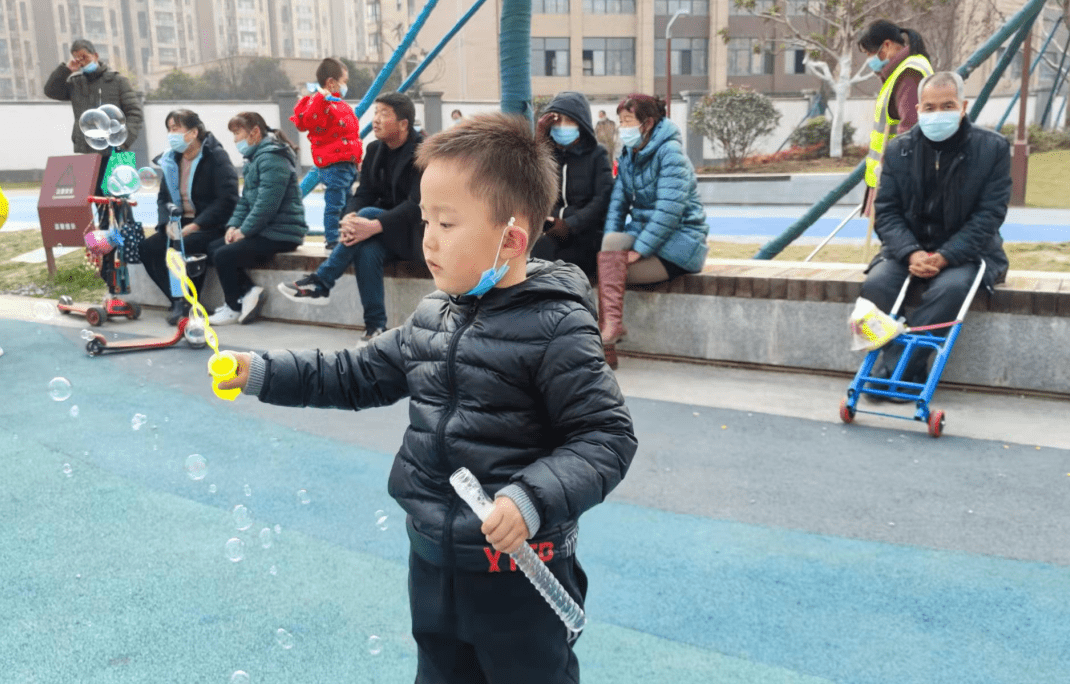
<point x="493" y="275"/>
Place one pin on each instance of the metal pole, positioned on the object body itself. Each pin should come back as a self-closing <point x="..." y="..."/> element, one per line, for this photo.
<point x="1040" y="55"/>
<point x="833" y="233"/>
<point x="1020" y="158"/>
<point x="668" y="60"/>
<point x="1055" y="85"/>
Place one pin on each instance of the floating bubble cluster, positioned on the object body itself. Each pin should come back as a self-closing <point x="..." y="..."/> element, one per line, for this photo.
<point x="138" y="420"/>
<point x="59" y="389"/>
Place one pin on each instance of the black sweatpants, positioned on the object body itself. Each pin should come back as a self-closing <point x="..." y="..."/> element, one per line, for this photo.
<point x="154" y="255"/>
<point x="941" y="299"/>
<point x="491" y="627"/>
<point x="231" y="260"/>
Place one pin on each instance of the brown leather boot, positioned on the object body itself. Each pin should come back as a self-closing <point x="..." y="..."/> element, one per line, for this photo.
<point x="612" y="275"/>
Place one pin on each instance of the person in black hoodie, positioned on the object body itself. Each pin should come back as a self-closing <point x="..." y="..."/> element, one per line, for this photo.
<point x="573" y="231"/>
<point x="505" y="376"/>
<point x="944" y="190"/>
<point x="199" y="178"/>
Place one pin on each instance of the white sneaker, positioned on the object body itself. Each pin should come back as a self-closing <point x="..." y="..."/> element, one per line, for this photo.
<point x="224" y="315"/>
<point x="251" y="304"/>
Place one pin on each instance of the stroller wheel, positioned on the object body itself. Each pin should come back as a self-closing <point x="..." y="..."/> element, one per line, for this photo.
<point x="135" y="311"/>
<point x="847" y="414"/>
<point x="95" y="315"/>
<point x="936" y="423"/>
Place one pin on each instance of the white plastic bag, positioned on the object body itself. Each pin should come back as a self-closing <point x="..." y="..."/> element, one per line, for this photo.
<point x="871" y="328"/>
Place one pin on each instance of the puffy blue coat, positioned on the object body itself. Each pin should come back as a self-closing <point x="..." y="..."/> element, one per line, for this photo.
<point x="657" y="186"/>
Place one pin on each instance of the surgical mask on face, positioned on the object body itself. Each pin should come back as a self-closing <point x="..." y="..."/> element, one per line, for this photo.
<point x="939" y="126"/>
<point x="243" y="147"/>
<point x="876" y="63"/>
<point x="418" y="128"/>
<point x="343" y="89"/>
<point x="177" y="141"/>
<point x="493" y="275"/>
<point x="90" y="68"/>
<point x="630" y="136"/>
<point x="565" y="135"/>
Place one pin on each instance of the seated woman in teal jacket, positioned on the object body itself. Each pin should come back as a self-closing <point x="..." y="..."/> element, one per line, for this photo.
<point x="269" y="217"/>
<point x="657" y="188"/>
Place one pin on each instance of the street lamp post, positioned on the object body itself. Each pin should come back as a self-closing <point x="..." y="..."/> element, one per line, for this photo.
<point x="668" y="60"/>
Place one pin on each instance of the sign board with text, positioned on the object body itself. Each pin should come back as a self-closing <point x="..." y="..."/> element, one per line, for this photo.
<point x="62" y="207"/>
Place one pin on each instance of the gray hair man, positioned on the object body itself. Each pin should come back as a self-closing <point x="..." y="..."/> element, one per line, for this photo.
<point x="944" y="190"/>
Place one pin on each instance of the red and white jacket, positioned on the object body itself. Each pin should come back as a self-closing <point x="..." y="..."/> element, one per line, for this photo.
<point x="332" y="127"/>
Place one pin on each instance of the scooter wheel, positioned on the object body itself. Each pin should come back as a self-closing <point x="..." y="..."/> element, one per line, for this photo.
<point x="936" y="423"/>
<point x="65" y="300"/>
<point x="847" y="414"/>
<point x="95" y="315"/>
<point x="94" y="347"/>
<point x="135" y="312"/>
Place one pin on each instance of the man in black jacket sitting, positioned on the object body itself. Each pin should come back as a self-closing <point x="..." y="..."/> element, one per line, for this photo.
<point x="382" y="221"/>
<point x="944" y="189"/>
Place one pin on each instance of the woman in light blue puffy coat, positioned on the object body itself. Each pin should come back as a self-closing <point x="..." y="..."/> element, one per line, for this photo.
<point x="657" y="188"/>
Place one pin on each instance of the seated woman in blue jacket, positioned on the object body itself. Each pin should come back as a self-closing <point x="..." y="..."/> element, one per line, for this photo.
<point x="199" y="178"/>
<point x="657" y="188"/>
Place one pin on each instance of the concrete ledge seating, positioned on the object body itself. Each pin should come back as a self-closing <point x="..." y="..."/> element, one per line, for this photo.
<point x="775" y="313"/>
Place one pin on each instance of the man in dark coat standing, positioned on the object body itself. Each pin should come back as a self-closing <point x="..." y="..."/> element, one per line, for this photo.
<point x="943" y="196"/>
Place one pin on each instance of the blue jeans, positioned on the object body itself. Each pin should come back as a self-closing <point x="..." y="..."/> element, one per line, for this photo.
<point x="367" y="257"/>
<point x="338" y="179"/>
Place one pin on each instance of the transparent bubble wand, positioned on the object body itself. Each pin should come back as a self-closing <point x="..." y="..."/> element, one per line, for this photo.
<point x="469" y="489"/>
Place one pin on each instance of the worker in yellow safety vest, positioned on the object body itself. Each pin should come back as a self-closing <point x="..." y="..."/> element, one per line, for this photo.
<point x="898" y="56"/>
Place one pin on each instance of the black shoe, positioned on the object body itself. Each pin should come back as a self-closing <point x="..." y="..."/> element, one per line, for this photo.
<point x="329" y="246"/>
<point x="370" y="335"/>
<point x="179" y="310"/>
<point x="308" y="290"/>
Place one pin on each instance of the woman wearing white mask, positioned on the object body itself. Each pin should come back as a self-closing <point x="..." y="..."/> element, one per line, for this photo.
<point x="198" y="177"/>
<point x="657" y="188"/>
<point x="573" y="231"/>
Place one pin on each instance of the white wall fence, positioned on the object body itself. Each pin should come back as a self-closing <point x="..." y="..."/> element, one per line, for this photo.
<point x="36" y="131"/>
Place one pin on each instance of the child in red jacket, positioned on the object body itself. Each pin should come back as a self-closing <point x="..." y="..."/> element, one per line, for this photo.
<point x="334" y="131"/>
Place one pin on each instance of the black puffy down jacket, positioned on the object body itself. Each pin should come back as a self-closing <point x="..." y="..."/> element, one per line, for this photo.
<point x="513" y="386"/>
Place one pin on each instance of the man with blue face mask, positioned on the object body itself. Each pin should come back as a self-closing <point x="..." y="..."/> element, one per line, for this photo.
<point x="944" y="190"/>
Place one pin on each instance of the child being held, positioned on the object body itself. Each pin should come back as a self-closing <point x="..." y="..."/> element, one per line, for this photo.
<point x="334" y="132"/>
<point x="505" y="375"/>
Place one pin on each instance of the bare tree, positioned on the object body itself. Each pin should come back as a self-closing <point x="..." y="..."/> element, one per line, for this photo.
<point x="828" y="30"/>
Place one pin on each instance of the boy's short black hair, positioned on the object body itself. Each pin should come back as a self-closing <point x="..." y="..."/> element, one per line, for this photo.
<point x="329" y="68"/>
<point x="83" y="44"/>
<point x="401" y="104"/>
<point x="515" y="174"/>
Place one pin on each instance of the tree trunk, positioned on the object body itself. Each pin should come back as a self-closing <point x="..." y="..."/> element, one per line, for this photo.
<point x="840" y="88"/>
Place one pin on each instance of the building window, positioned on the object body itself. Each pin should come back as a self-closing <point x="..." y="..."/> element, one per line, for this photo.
<point x="549" y="57"/>
<point x="670" y="7"/>
<point x="22" y="10"/>
<point x="7" y="89"/>
<point x="760" y="7"/>
<point x="62" y="20"/>
<point x="304" y="18"/>
<point x="146" y="57"/>
<point x="94" y="22"/>
<point x="688" y="56"/>
<point x="249" y="5"/>
<point x="168" y="56"/>
<point x="549" y="7"/>
<point x="798" y="7"/>
<point x="609" y="56"/>
<point x="308" y="47"/>
<point x="114" y="24"/>
<point x="371" y="11"/>
<point x="5" y="59"/>
<point x="748" y="57"/>
<point x="143" y="25"/>
<point x="609" y="6"/>
<point x="373" y="43"/>
<point x="794" y="60"/>
<point x="165" y="27"/>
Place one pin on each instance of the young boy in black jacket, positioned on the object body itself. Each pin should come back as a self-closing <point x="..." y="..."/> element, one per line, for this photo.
<point x="506" y="376"/>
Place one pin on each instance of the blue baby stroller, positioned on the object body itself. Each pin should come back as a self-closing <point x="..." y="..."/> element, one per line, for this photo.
<point x="895" y="387"/>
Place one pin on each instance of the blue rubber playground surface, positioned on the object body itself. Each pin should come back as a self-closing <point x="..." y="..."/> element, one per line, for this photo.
<point x="742" y="547"/>
<point x="1022" y="225"/>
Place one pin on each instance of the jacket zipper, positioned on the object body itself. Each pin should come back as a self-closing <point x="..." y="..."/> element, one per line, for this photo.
<point x="440" y="438"/>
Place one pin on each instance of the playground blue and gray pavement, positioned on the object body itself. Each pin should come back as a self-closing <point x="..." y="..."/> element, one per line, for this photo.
<point x="756" y="539"/>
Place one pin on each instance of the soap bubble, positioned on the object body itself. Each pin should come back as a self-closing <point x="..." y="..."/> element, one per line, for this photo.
<point x="118" y="137"/>
<point x="114" y="114"/>
<point x="273" y="571"/>
<point x="265" y="538"/>
<point x="74" y="411"/>
<point x="235" y="549"/>
<point x="67" y="470"/>
<point x="239" y="677"/>
<point x="59" y="389"/>
<point x="87" y="335"/>
<point x="242" y="519"/>
<point x="195" y="334"/>
<point x="123" y="180"/>
<point x="303" y="497"/>
<point x="147" y="176"/>
<point x="44" y="311"/>
<point x="248" y="490"/>
<point x="381" y="520"/>
<point x="94" y="124"/>
<point x="285" y="639"/>
<point x="97" y="143"/>
<point x="196" y="466"/>
<point x="212" y="489"/>
<point x="138" y="420"/>
<point x="375" y="645"/>
<point x="278" y="529"/>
